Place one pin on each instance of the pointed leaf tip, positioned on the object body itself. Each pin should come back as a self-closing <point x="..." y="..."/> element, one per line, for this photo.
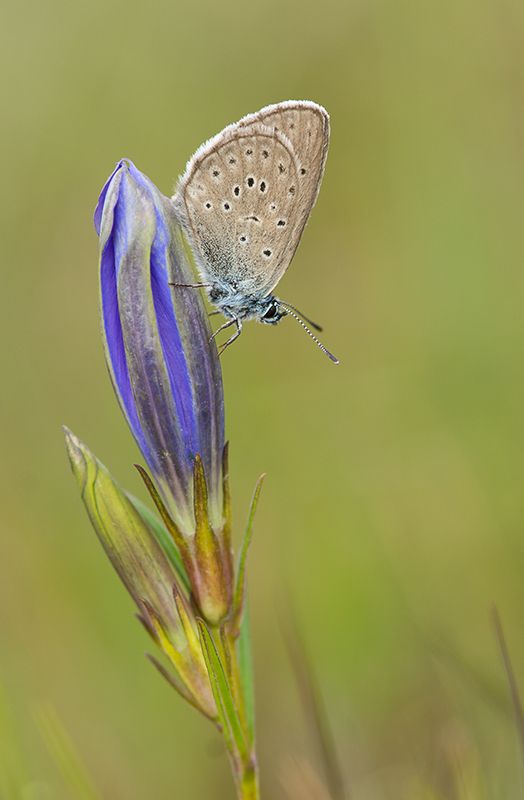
<point x="239" y="596"/>
<point x="79" y="456"/>
<point x="167" y="519"/>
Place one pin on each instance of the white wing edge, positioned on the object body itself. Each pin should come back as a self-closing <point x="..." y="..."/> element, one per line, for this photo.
<point x="253" y="121"/>
<point x="249" y="119"/>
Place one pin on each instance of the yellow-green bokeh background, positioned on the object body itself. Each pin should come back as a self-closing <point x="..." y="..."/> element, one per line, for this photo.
<point x="393" y="511"/>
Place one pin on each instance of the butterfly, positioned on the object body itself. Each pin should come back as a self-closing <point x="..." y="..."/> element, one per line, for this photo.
<point x="244" y="200"/>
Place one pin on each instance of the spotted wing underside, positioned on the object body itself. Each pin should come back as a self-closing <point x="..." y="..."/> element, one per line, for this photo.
<point x="247" y="194"/>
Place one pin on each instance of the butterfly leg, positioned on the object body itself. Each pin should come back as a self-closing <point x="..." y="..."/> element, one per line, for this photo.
<point x="222" y="328"/>
<point x="237" y="333"/>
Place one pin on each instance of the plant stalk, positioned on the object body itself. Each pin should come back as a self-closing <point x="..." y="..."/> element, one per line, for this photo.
<point x="244" y="768"/>
<point x="248" y="789"/>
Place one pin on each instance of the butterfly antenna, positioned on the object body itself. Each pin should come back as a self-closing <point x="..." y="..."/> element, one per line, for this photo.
<point x="290" y="310"/>
<point x="314" y="325"/>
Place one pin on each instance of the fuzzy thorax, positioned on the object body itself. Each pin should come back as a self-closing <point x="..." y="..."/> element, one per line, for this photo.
<point x="237" y="305"/>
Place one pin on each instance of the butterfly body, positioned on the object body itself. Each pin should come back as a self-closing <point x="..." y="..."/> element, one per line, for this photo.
<point x="244" y="200"/>
<point x="234" y="303"/>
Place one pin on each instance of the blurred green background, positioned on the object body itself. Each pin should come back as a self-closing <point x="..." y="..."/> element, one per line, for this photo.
<point x="392" y="514"/>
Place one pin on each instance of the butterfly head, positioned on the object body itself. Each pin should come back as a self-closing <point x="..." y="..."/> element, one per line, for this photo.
<point x="273" y="312"/>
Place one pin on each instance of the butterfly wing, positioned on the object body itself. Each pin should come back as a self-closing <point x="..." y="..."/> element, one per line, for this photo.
<point x="306" y="125"/>
<point x="246" y="195"/>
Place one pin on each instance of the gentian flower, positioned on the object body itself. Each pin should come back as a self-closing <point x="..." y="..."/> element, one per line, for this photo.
<point x="176" y="565"/>
<point x="166" y="375"/>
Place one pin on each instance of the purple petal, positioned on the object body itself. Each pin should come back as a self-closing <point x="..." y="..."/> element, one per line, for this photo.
<point x="165" y="373"/>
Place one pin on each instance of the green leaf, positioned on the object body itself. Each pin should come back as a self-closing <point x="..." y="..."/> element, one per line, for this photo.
<point x="245" y="665"/>
<point x="238" y="599"/>
<point x="232" y="728"/>
<point x="163" y="537"/>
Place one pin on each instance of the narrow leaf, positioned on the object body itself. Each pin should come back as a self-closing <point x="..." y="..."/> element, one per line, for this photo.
<point x="245" y="664"/>
<point x="238" y="600"/>
<point x="222" y="693"/>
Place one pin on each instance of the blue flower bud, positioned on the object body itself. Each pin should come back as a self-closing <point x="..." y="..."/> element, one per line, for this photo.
<point x="165" y="373"/>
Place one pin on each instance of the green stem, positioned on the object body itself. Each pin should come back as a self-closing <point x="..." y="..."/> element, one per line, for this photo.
<point x="246" y="771"/>
<point x="221" y="658"/>
<point x="248" y="789"/>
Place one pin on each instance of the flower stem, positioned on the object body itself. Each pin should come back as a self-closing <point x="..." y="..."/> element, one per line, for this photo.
<point x="245" y="768"/>
<point x="248" y="789"/>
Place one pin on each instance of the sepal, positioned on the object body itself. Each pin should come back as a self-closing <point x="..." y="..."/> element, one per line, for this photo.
<point x="206" y="554"/>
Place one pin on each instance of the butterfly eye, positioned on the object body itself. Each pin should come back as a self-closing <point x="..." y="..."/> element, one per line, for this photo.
<point x="262" y="186"/>
<point x="271" y="312"/>
<point x="281" y="223"/>
<point x="226" y="206"/>
<point x="267" y="253"/>
<point x="236" y="191"/>
<point x="250" y="181"/>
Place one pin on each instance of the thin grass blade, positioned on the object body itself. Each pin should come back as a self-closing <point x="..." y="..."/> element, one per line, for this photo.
<point x="511" y="678"/>
<point x="314" y="708"/>
<point x="65" y="755"/>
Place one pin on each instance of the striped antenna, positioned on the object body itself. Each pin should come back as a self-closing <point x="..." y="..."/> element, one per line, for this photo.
<point x="290" y="310"/>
